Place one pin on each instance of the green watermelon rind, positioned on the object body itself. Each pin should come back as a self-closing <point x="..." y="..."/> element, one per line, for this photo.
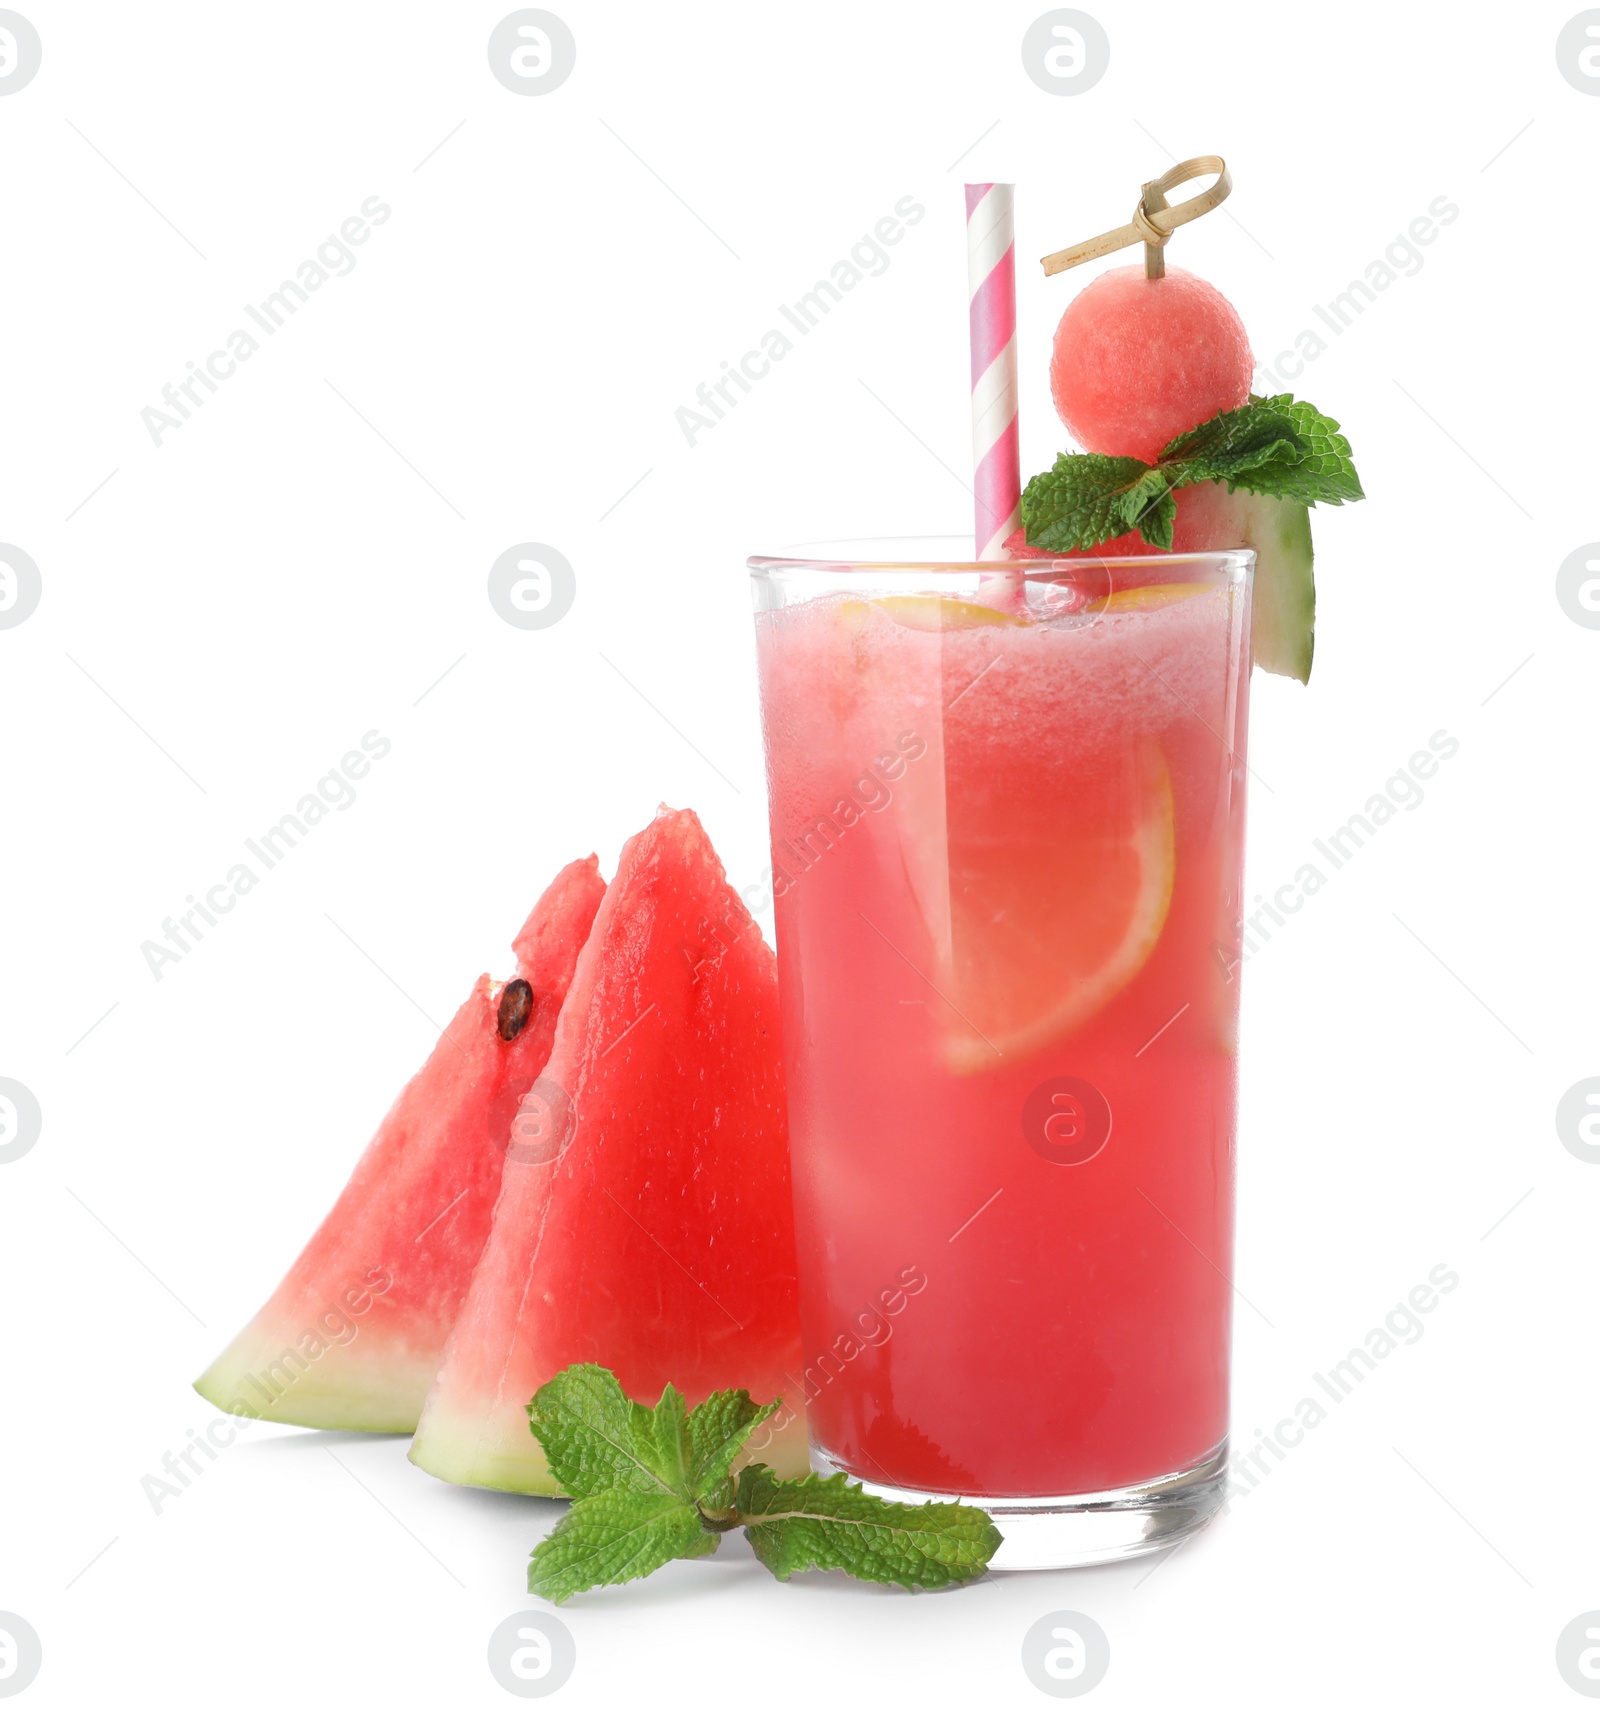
<point x="1284" y="605"/>
<point x="450" y="1448"/>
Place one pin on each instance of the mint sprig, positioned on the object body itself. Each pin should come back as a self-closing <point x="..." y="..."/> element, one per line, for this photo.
<point x="653" y="1485"/>
<point x="1278" y="446"/>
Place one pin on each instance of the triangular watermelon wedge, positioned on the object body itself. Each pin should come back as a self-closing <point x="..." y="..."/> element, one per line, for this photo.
<point x="645" y="1220"/>
<point x="354" y="1334"/>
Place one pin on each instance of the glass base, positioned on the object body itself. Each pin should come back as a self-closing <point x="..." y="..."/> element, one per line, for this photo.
<point x="1046" y="1531"/>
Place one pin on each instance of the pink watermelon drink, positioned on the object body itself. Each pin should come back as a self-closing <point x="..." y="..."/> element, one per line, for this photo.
<point x="1007" y="845"/>
<point x="1008" y="818"/>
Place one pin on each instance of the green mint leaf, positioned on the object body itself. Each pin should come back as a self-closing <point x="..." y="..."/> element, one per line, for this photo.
<point x="662" y="1438"/>
<point x="1233" y="443"/>
<point x="829" y="1522"/>
<point x="1278" y="446"/>
<point x="598" y="1440"/>
<point x="718" y="1429"/>
<point x="1148" y="506"/>
<point x="615" y="1536"/>
<point x="654" y="1485"/>
<point x="1326" y="475"/>
<point x="1082" y="500"/>
<point x="1321" y="473"/>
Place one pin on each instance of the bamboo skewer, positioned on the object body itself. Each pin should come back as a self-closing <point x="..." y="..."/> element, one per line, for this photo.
<point x="1154" y="220"/>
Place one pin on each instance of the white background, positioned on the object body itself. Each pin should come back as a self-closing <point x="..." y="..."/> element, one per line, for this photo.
<point x="229" y="612"/>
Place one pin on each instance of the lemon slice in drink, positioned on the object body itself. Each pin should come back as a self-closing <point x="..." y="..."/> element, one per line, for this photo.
<point x="936" y="612"/>
<point x="1052" y="918"/>
<point x="1152" y="597"/>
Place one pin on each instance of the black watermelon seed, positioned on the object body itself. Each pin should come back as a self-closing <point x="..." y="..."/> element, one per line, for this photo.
<point x="516" y="1007"/>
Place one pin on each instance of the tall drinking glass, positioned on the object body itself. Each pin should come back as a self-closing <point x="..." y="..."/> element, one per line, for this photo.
<point x="1007" y="812"/>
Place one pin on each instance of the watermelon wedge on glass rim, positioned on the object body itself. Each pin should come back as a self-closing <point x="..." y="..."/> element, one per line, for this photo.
<point x="1209" y="519"/>
<point x="353" y="1335"/>
<point x="645" y="1221"/>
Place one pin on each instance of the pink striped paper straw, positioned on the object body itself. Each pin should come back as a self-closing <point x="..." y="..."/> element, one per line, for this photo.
<point x="992" y="288"/>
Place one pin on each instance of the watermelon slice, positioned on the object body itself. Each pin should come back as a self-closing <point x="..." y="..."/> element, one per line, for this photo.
<point x="354" y="1334"/>
<point x="645" y="1220"/>
<point x="1212" y="519"/>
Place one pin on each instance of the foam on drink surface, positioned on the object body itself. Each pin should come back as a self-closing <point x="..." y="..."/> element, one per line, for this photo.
<point x="1052" y="689"/>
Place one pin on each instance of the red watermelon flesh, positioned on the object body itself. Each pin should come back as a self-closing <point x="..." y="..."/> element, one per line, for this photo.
<point x="353" y="1335"/>
<point x="645" y="1220"/>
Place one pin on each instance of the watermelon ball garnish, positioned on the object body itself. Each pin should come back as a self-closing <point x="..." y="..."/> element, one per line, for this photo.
<point x="1138" y="361"/>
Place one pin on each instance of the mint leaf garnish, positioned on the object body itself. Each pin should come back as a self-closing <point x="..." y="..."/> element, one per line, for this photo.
<point x="1322" y="474"/>
<point x="653" y="1485"/>
<point x="830" y="1522"/>
<point x="1232" y="444"/>
<point x="718" y="1429"/>
<point x="662" y="1438"/>
<point x="615" y="1536"/>
<point x="1083" y="500"/>
<point x="1148" y="507"/>
<point x="596" y="1439"/>
<point x="1278" y="446"/>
